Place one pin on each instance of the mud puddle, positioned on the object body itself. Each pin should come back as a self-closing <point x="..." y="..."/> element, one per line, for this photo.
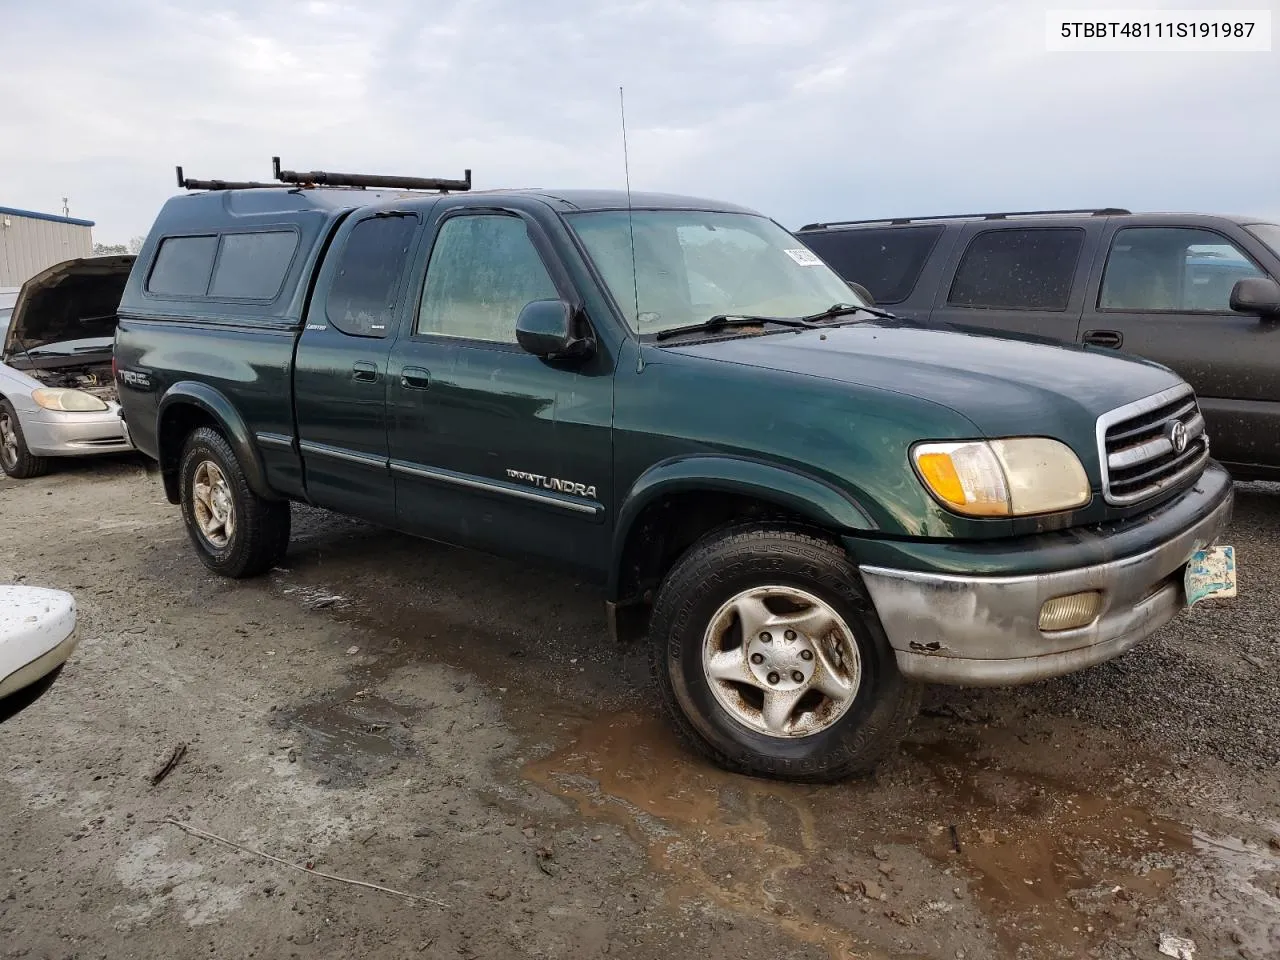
<point x="991" y="862"/>
<point x="349" y="735"/>
<point x="731" y="840"/>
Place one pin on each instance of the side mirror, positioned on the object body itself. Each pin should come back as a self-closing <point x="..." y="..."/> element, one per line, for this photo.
<point x="862" y="292"/>
<point x="545" y="329"/>
<point x="1257" y="295"/>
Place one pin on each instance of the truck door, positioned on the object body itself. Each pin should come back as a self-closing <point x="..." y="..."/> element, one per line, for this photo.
<point x="1018" y="278"/>
<point x="1164" y="294"/>
<point x="340" y="368"/>
<point x="493" y="447"/>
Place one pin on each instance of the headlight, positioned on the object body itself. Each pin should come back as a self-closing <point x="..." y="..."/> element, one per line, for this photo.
<point x="68" y="401"/>
<point x="1003" y="478"/>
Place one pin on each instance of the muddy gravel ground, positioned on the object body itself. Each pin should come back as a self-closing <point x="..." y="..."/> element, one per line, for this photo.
<point x="460" y="729"/>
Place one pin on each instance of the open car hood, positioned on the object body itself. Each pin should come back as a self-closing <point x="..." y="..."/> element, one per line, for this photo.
<point x="72" y="300"/>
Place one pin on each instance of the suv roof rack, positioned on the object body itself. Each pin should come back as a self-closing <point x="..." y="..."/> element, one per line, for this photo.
<point x="319" y="178"/>
<point x="1090" y="211"/>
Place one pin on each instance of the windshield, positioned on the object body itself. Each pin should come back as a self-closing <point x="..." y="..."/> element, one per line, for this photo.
<point x="5" y="314"/>
<point x="1268" y="233"/>
<point x="692" y="265"/>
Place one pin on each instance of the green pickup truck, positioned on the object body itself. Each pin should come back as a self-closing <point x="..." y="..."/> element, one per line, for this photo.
<point x="809" y="506"/>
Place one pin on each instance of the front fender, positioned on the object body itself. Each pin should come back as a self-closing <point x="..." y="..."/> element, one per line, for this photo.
<point x="816" y="500"/>
<point x="192" y="393"/>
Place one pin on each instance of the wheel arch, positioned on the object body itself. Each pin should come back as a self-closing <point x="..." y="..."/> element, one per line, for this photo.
<point x="677" y="501"/>
<point x="189" y="405"/>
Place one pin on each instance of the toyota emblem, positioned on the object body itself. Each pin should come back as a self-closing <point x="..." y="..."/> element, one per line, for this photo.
<point x="1178" y="436"/>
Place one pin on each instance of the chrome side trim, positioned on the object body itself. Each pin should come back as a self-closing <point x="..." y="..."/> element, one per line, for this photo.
<point x="274" y="440"/>
<point x="494" y="486"/>
<point x="338" y="453"/>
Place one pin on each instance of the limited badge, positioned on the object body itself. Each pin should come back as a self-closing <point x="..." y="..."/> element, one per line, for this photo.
<point x="1211" y="574"/>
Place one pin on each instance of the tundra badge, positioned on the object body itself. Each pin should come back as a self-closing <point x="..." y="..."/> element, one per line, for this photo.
<point x="551" y="483"/>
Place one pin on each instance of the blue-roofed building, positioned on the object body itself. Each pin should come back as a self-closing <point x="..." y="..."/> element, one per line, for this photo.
<point x="31" y="241"/>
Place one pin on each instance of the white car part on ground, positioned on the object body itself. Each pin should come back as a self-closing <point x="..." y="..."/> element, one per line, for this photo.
<point x="37" y="634"/>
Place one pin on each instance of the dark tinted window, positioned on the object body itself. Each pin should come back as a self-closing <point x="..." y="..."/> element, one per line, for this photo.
<point x="182" y="266"/>
<point x="1152" y="269"/>
<point x="1018" y="269"/>
<point x="252" y="266"/>
<point x="887" y="262"/>
<point x="362" y="298"/>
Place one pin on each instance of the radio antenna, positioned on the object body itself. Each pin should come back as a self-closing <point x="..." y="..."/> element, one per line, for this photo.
<point x="631" y="227"/>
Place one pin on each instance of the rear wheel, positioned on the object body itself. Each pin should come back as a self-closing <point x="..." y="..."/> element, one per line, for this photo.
<point x="16" y="459"/>
<point x="236" y="532"/>
<point x="771" y="660"/>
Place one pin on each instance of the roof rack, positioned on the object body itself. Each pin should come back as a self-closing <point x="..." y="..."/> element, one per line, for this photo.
<point x="185" y="183"/>
<point x="320" y="178"/>
<point x="292" y="179"/>
<point x="1089" y="211"/>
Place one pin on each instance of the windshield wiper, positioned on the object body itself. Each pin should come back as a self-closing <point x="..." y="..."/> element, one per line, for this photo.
<point x="848" y="310"/>
<point x="723" y="321"/>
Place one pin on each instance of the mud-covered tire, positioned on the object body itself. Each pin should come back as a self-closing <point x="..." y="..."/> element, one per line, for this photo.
<point x="16" y="459"/>
<point x="260" y="534"/>
<point x="741" y="559"/>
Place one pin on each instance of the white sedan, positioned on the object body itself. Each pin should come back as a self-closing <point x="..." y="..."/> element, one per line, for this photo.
<point x="37" y="634"/>
<point x="57" y="392"/>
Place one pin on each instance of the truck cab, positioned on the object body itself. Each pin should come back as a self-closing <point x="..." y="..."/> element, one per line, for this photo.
<point x="809" y="508"/>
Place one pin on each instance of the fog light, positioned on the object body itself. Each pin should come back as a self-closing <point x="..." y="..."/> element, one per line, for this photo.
<point x="1071" y="611"/>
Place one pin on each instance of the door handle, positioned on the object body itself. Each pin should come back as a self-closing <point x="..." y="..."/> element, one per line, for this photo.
<point x="364" y="371"/>
<point x="1104" y="338"/>
<point x="415" y="378"/>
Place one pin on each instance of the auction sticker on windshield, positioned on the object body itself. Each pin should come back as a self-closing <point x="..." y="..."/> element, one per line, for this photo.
<point x="806" y="258"/>
<point x="1211" y="573"/>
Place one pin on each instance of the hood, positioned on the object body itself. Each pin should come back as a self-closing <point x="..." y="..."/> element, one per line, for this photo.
<point x="1004" y="386"/>
<point x="72" y="300"/>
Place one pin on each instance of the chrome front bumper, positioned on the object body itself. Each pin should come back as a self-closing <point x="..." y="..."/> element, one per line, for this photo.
<point x="984" y="631"/>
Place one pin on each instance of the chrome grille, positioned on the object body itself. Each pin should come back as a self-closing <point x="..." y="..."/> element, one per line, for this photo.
<point x="1138" y="446"/>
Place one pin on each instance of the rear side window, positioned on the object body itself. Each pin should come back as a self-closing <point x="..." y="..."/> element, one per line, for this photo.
<point x="362" y="299"/>
<point x="1018" y="269"/>
<point x="182" y="266"/>
<point x="252" y="266"/>
<point x="885" y="261"/>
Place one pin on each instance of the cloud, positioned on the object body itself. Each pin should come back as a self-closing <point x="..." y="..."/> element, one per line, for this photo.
<point x="807" y="109"/>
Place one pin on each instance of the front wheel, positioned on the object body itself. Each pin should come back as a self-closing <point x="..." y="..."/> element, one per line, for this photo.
<point x="236" y="532"/>
<point x="16" y="459"/>
<point x="771" y="660"/>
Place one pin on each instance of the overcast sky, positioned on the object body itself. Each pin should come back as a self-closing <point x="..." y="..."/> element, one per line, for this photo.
<point x="805" y="109"/>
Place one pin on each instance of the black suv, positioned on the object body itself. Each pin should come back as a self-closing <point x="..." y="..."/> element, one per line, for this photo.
<point x="1194" y="292"/>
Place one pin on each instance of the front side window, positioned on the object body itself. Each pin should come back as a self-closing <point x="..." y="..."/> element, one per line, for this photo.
<point x="886" y="261"/>
<point x="483" y="270"/>
<point x="362" y="298"/>
<point x="1027" y="269"/>
<point x="183" y="266"/>
<point x="691" y="265"/>
<point x="1178" y="269"/>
